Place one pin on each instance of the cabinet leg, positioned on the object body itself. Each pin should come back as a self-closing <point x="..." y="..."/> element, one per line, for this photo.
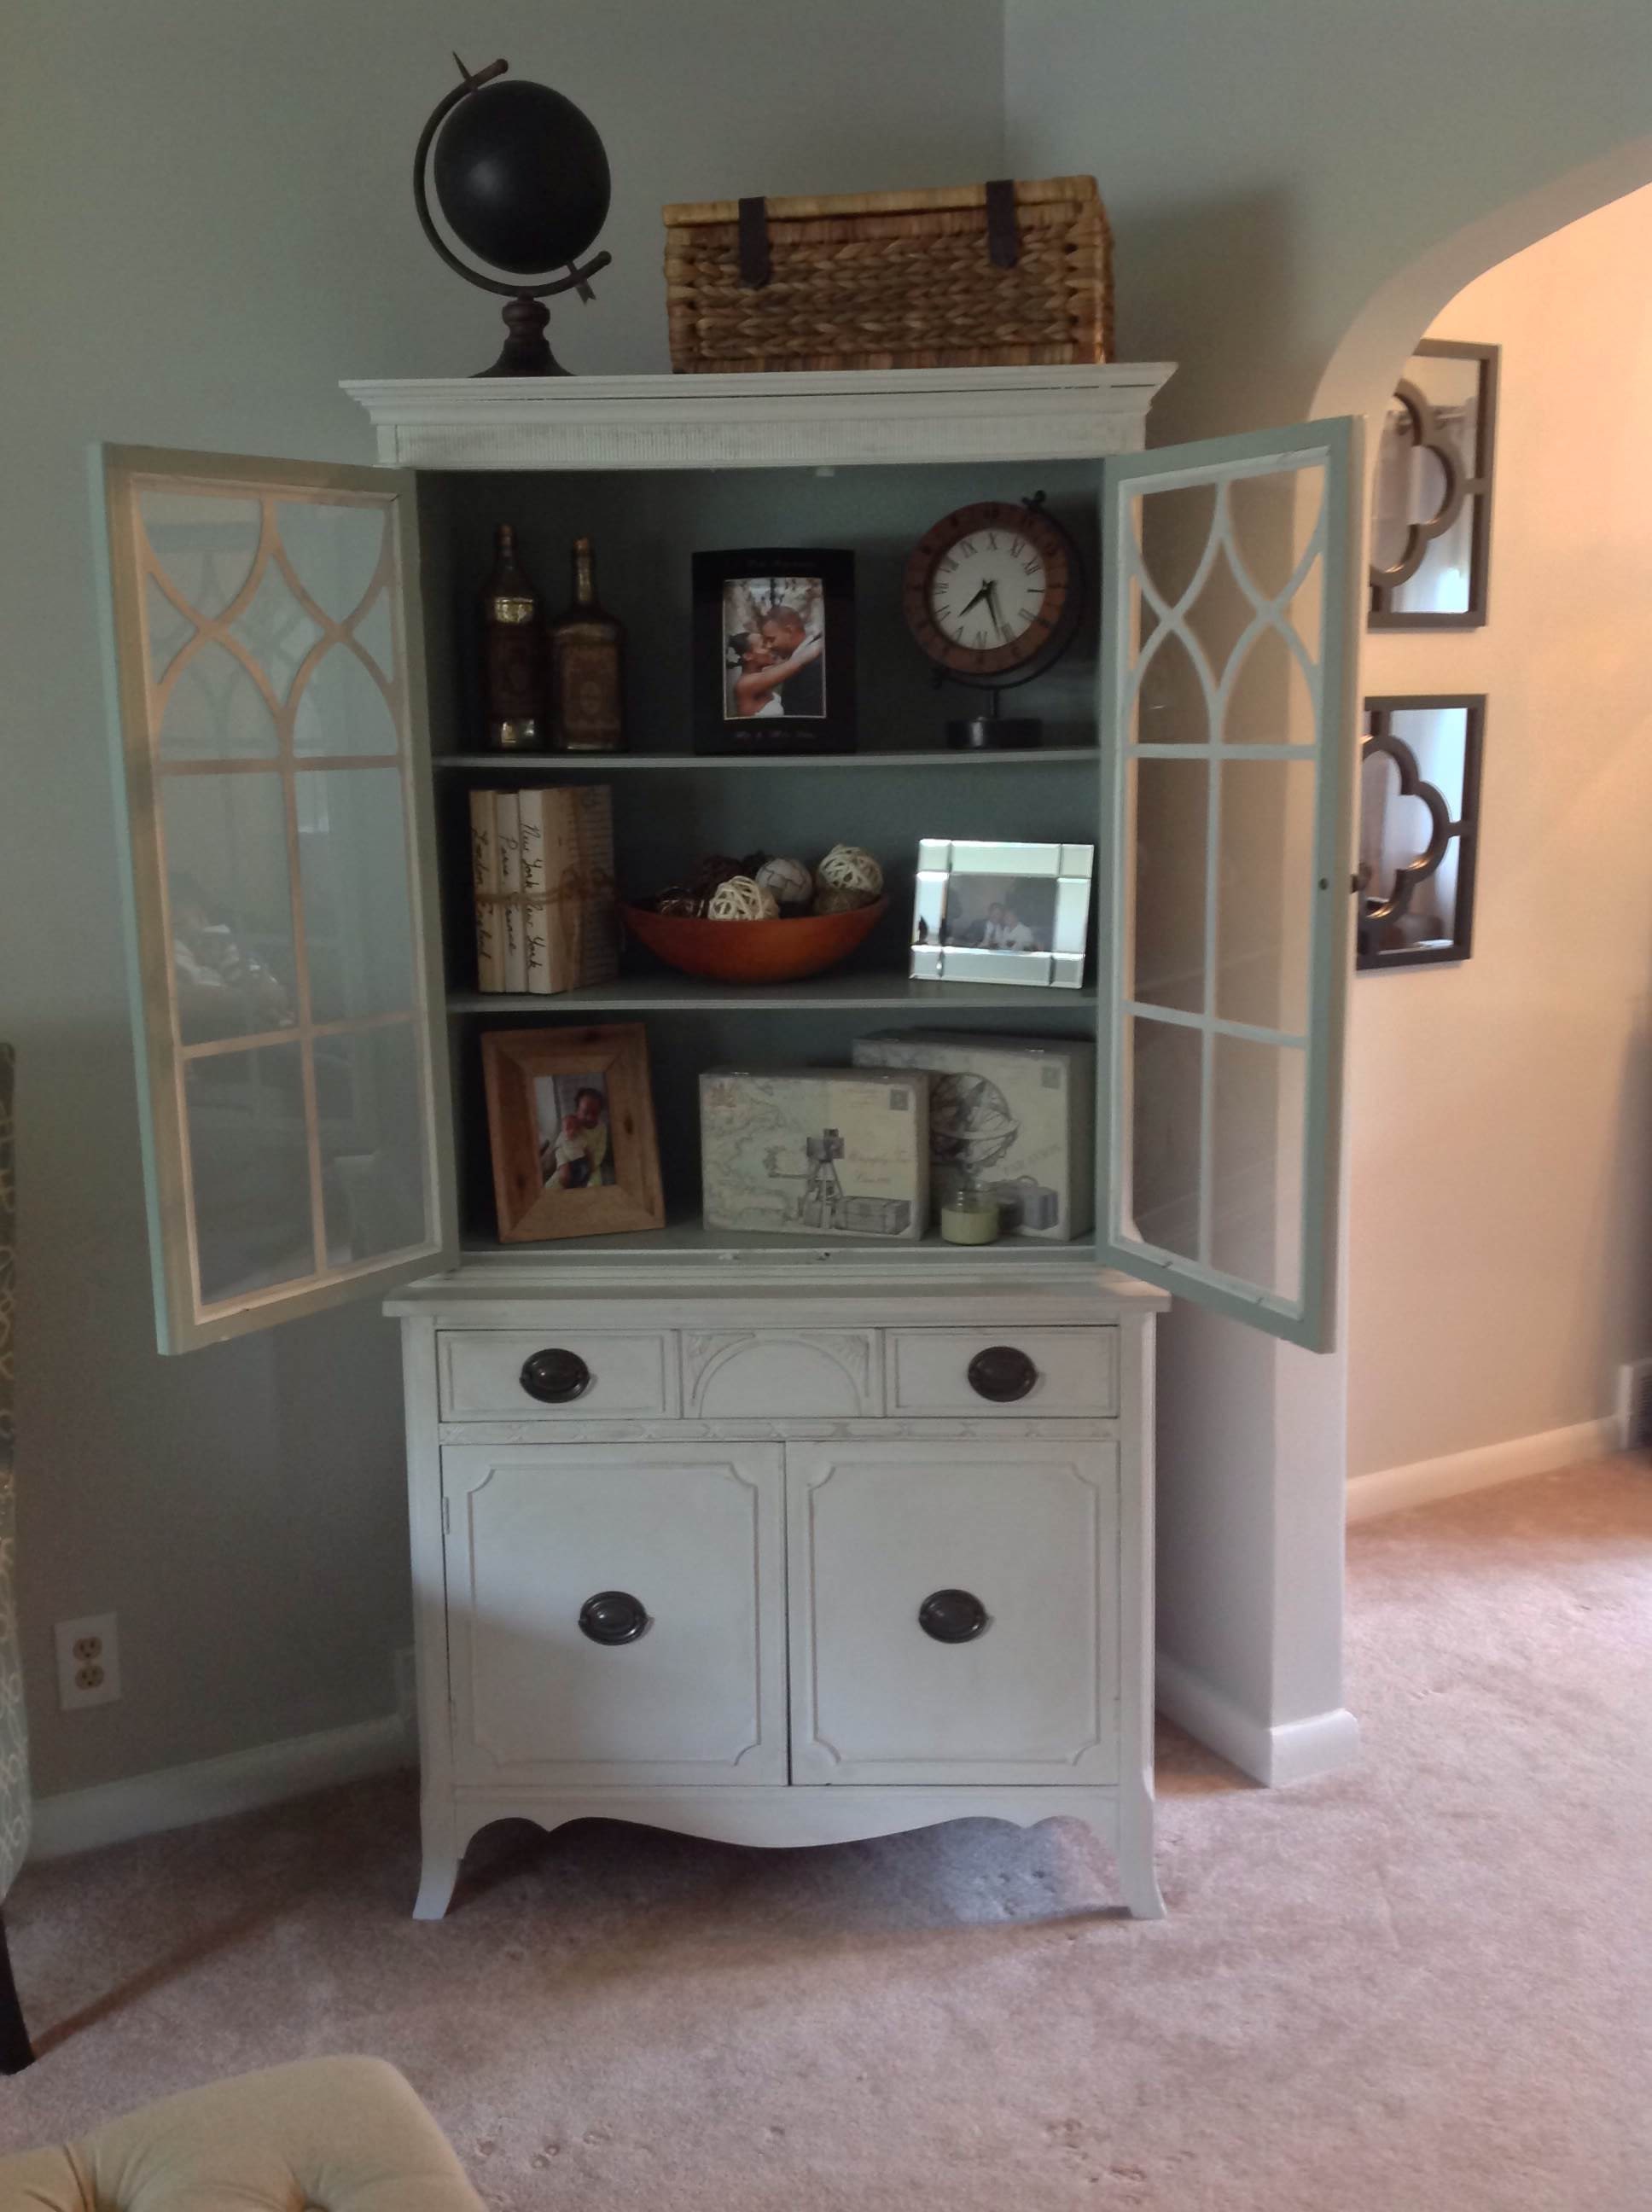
<point x="16" y="2051"/>
<point x="443" y="1852"/>
<point x="1136" y="1876"/>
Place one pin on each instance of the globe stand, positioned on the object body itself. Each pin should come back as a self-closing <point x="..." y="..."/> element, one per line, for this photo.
<point x="526" y="351"/>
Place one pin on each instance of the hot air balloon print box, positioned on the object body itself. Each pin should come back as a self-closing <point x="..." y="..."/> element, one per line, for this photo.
<point x="1010" y="1114"/>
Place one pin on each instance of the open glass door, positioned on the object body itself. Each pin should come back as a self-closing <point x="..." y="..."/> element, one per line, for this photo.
<point x="1231" y="583"/>
<point x="267" y="687"/>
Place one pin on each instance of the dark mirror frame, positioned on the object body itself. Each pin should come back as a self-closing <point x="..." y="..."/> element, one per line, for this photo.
<point x="1465" y="829"/>
<point x="1474" y="486"/>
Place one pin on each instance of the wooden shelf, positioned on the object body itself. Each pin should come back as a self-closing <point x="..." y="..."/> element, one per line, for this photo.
<point x="671" y="993"/>
<point x="518" y="764"/>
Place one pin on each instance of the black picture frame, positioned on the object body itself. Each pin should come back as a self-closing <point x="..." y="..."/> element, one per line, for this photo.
<point x="1377" y="922"/>
<point x="771" y="569"/>
<point x="1468" y="487"/>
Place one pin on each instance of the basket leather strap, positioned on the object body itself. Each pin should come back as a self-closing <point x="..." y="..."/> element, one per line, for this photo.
<point x="1003" y="233"/>
<point x="756" y="267"/>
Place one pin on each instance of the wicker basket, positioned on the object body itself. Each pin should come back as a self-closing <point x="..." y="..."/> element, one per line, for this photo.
<point x="978" y="275"/>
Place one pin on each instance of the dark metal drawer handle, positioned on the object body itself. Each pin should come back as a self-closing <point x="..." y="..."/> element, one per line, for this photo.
<point x="613" y="1617"/>
<point x="553" y="1377"/>
<point x="953" y="1616"/>
<point x="1001" y="1373"/>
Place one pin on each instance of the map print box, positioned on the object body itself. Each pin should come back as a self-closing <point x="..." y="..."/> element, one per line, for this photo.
<point x="1012" y="1114"/>
<point x="822" y="1151"/>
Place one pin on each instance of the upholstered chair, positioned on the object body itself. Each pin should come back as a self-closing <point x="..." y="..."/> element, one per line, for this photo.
<point x="15" y="2049"/>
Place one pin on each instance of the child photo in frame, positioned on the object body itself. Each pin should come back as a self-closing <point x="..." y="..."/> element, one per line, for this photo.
<point x="571" y="1125"/>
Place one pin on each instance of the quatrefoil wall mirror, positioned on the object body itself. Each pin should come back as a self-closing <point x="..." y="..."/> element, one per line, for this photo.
<point x="1431" y="505"/>
<point x="1419" y="799"/>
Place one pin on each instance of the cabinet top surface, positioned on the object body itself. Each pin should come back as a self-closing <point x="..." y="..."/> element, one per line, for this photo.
<point x="769" y="419"/>
<point x="780" y="1290"/>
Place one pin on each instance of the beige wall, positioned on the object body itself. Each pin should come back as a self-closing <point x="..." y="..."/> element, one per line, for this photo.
<point x="206" y="223"/>
<point x="1501" y="1109"/>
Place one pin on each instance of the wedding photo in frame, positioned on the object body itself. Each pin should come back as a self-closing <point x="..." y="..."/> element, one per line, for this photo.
<point x="774" y="651"/>
<point x="571" y="1124"/>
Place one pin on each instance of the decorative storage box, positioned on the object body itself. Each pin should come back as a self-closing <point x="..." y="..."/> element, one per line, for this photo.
<point x="1012" y="1114"/>
<point x="967" y="277"/>
<point x="838" y="1151"/>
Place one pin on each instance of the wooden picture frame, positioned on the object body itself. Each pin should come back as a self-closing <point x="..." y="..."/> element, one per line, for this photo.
<point x="560" y="1167"/>
<point x="811" y="590"/>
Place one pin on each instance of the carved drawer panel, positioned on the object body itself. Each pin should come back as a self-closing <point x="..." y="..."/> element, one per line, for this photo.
<point x="800" y="1374"/>
<point x="553" y="1374"/>
<point x="1039" y="1371"/>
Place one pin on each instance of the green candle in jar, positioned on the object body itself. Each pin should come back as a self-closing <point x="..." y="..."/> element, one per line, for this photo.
<point x="969" y="1217"/>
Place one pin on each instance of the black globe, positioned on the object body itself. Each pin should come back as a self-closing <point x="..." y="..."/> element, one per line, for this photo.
<point x="521" y="176"/>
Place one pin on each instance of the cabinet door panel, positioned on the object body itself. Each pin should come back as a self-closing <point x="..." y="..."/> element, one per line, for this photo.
<point x="1232" y="593"/>
<point x="694" y="1533"/>
<point x="1029" y="1531"/>
<point x="267" y="687"/>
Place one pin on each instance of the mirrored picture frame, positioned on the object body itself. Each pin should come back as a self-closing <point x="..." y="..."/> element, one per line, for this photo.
<point x="985" y="911"/>
<point x="1420" y="769"/>
<point x="1430" y="531"/>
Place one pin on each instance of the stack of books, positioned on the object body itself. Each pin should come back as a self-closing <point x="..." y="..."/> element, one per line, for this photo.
<point x="542" y="867"/>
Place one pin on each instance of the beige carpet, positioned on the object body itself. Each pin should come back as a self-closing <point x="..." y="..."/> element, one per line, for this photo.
<point x="1425" y="1982"/>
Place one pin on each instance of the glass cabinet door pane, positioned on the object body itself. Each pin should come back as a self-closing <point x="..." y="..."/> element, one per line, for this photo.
<point x="1229" y="587"/>
<point x="267" y="679"/>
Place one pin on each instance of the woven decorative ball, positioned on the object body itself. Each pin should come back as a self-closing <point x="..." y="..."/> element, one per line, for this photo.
<point x="739" y="899"/>
<point x="790" y="881"/>
<point x="842" y="898"/>
<point x="847" y="868"/>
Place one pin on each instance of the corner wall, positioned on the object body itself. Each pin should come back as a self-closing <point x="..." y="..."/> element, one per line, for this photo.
<point x="1501" y="1108"/>
<point x="1279" y="176"/>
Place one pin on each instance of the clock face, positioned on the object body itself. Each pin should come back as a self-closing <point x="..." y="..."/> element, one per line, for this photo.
<point x="991" y="592"/>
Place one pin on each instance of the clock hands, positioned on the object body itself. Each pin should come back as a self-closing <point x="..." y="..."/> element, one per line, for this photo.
<point x="989" y="592"/>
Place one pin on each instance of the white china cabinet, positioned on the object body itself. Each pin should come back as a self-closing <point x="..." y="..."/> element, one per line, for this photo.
<point x="759" y="1537"/>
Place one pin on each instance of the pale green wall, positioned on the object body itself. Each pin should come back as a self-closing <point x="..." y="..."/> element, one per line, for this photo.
<point x="206" y="223"/>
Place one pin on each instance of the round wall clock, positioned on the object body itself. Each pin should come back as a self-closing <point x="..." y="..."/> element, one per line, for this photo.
<point x="993" y="594"/>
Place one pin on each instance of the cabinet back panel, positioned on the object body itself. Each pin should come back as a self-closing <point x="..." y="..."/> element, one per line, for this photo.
<point x="680" y="1044"/>
<point x="646" y="525"/>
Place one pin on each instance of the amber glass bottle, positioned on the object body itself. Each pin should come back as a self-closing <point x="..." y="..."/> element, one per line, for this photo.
<point x="588" y="656"/>
<point x="512" y="657"/>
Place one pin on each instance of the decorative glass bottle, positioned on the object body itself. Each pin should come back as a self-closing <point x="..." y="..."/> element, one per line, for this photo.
<point x="587" y="653"/>
<point x="512" y="664"/>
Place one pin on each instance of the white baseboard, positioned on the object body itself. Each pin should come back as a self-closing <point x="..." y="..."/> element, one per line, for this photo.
<point x="178" y="1797"/>
<point x="1287" y="1750"/>
<point x="1393" y="1488"/>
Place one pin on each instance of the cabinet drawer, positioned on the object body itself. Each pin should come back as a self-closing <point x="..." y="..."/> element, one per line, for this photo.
<point x="584" y="1376"/>
<point x="954" y="1612"/>
<point x="1023" y="1371"/>
<point x="616" y="1613"/>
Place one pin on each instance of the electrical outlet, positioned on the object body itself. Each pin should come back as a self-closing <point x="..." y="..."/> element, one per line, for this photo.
<point x="88" y="1661"/>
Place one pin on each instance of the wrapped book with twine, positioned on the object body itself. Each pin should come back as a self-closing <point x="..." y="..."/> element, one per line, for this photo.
<point x="542" y="874"/>
<point x="1003" y="274"/>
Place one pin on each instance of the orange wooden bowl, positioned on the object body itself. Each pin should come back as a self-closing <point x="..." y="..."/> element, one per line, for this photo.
<point x="782" y="952"/>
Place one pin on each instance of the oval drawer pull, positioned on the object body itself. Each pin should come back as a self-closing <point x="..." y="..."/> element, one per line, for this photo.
<point x="953" y="1616"/>
<point x="554" y="1377"/>
<point x="613" y="1617"/>
<point x="1001" y="1373"/>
